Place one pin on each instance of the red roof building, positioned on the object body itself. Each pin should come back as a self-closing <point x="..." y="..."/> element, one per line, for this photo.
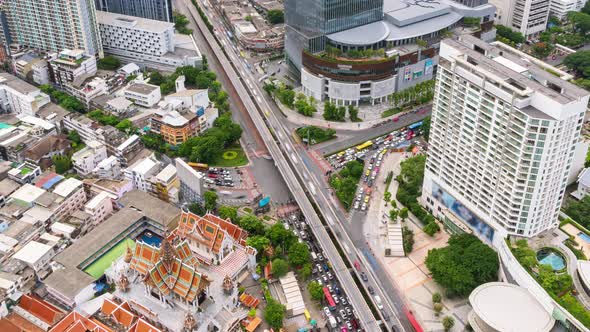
<point x="170" y="270"/>
<point x="210" y="235"/>
<point x="33" y="314"/>
<point x="75" y="322"/>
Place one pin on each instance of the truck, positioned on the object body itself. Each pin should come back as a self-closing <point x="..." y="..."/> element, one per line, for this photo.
<point x="332" y="321"/>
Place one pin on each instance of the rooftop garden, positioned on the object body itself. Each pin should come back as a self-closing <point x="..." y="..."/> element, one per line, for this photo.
<point x="558" y="285"/>
<point x="335" y="55"/>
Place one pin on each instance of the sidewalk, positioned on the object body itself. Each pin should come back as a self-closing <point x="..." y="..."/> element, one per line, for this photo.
<point x="409" y="273"/>
<point x="372" y="114"/>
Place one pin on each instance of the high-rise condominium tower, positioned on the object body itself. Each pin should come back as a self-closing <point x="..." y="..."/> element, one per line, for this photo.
<point x="160" y="10"/>
<point x="54" y="25"/>
<point x="503" y="133"/>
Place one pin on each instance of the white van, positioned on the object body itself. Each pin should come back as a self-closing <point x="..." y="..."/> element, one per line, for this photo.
<point x="378" y="301"/>
<point x="332" y="321"/>
<point x="314" y="256"/>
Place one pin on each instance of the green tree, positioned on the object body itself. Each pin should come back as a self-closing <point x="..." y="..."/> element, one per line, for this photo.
<point x="274" y="313"/>
<point x="233" y="131"/>
<point x="109" y="62"/>
<point x="258" y="242"/>
<point x="180" y="23"/>
<point x="586" y="8"/>
<point x="62" y="163"/>
<point x="579" y="210"/>
<point x="463" y="264"/>
<point x="275" y="16"/>
<point x="197" y="208"/>
<point x="353" y="113"/>
<point x="448" y="323"/>
<point x="126" y="126"/>
<point x="387" y="196"/>
<point x="438" y="307"/>
<point x="228" y="212"/>
<point x="542" y="50"/>
<point x="305" y="271"/>
<point x="298" y="254"/>
<point x="280" y="236"/>
<point x="252" y="224"/>
<point x="315" y="290"/>
<point x="393" y="213"/>
<point x="436" y="297"/>
<point x="279" y="268"/>
<point x="156" y="78"/>
<point x="210" y="198"/>
<point x="513" y="36"/>
<point x="553" y="20"/>
<point x="206" y="149"/>
<point x="580" y="22"/>
<point x="403" y="213"/>
<point x="525" y="255"/>
<point x="431" y="228"/>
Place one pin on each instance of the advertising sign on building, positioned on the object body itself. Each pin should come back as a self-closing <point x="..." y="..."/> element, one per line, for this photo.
<point x="408" y="73"/>
<point x="428" y="67"/>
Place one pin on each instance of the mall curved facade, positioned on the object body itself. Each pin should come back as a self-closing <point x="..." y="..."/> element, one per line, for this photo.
<point x="391" y="28"/>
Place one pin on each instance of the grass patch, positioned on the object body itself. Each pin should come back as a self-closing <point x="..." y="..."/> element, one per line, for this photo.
<point x="346" y="181"/>
<point x="247" y="210"/>
<point x="96" y="269"/>
<point x="315" y="134"/>
<point x="233" y="156"/>
<point x="391" y="111"/>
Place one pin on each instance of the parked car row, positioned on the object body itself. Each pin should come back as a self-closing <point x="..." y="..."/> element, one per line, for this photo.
<point x="219" y="177"/>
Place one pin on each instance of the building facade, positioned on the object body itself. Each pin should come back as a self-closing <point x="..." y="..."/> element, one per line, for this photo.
<point x="528" y="17"/>
<point x="20" y="97"/>
<point x="54" y="25"/>
<point x="503" y="135"/>
<point x="146" y="95"/>
<point x="160" y="10"/>
<point x="192" y="183"/>
<point x="70" y="68"/>
<point x="87" y="159"/>
<point x="149" y="43"/>
<point x="350" y="52"/>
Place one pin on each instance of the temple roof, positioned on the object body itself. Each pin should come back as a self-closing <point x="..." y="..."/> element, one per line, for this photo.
<point x="209" y="230"/>
<point x="169" y="268"/>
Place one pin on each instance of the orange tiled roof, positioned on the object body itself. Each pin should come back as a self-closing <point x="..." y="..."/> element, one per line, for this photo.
<point x="143" y="326"/>
<point x="45" y="311"/>
<point x="209" y="230"/>
<point x="8" y="326"/>
<point x="121" y="313"/>
<point x="169" y="269"/>
<point x="253" y="324"/>
<point x="249" y="300"/>
<point x="75" y="322"/>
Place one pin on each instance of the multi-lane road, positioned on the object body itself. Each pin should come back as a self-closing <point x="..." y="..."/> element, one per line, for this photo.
<point x="365" y="315"/>
<point x="293" y="164"/>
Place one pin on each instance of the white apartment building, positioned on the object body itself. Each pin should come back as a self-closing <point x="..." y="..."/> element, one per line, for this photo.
<point x="52" y="25"/>
<point x="192" y="183"/>
<point x="99" y="207"/>
<point x="502" y="139"/>
<point x="87" y="159"/>
<point x="526" y="16"/>
<point x="149" y="43"/>
<point x="20" y="97"/>
<point x="560" y="8"/>
<point x="36" y="255"/>
<point x="71" y="198"/>
<point x="71" y="68"/>
<point x="109" y="168"/>
<point x="146" y="95"/>
<point x="140" y="172"/>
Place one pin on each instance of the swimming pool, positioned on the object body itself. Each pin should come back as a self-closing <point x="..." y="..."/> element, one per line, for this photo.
<point x="97" y="268"/>
<point x="551" y="257"/>
<point x="584" y="236"/>
<point x="150" y="238"/>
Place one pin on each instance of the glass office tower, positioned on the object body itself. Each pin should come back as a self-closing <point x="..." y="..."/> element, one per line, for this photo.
<point x="160" y="10"/>
<point x="308" y="21"/>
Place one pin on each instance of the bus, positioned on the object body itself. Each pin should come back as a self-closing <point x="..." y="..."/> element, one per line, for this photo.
<point x="415" y="125"/>
<point x="329" y="299"/>
<point x="364" y="145"/>
<point x="199" y="166"/>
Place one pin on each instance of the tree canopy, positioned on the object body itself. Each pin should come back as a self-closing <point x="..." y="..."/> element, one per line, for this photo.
<point x="210" y="198"/>
<point x="226" y="211"/>
<point x="463" y="264"/>
<point x="298" y="254"/>
<point x="579" y="211"/>
<point x="279" y="268"/>
<point x="274" y="313"/>
<point x="511" y="35"/>
<point x="108" y="62"/>
<point x="315" y="290"/>
<point x="579" y="62"/>
<point x="276" y="16"/>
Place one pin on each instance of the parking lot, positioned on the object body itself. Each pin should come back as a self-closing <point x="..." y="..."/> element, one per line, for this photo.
<point x="371" y="153"/>
<point x="340" y="316"/>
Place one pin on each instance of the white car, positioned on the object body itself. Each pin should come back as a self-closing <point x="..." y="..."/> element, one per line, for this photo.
<point x="364" y="207"/>
<point x="327" y="311"/>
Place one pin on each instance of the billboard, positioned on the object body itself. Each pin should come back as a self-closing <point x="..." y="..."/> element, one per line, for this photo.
<point x="408" y="73"/>
<point x="462" y="212"/>
<point x="428" y="66"/>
